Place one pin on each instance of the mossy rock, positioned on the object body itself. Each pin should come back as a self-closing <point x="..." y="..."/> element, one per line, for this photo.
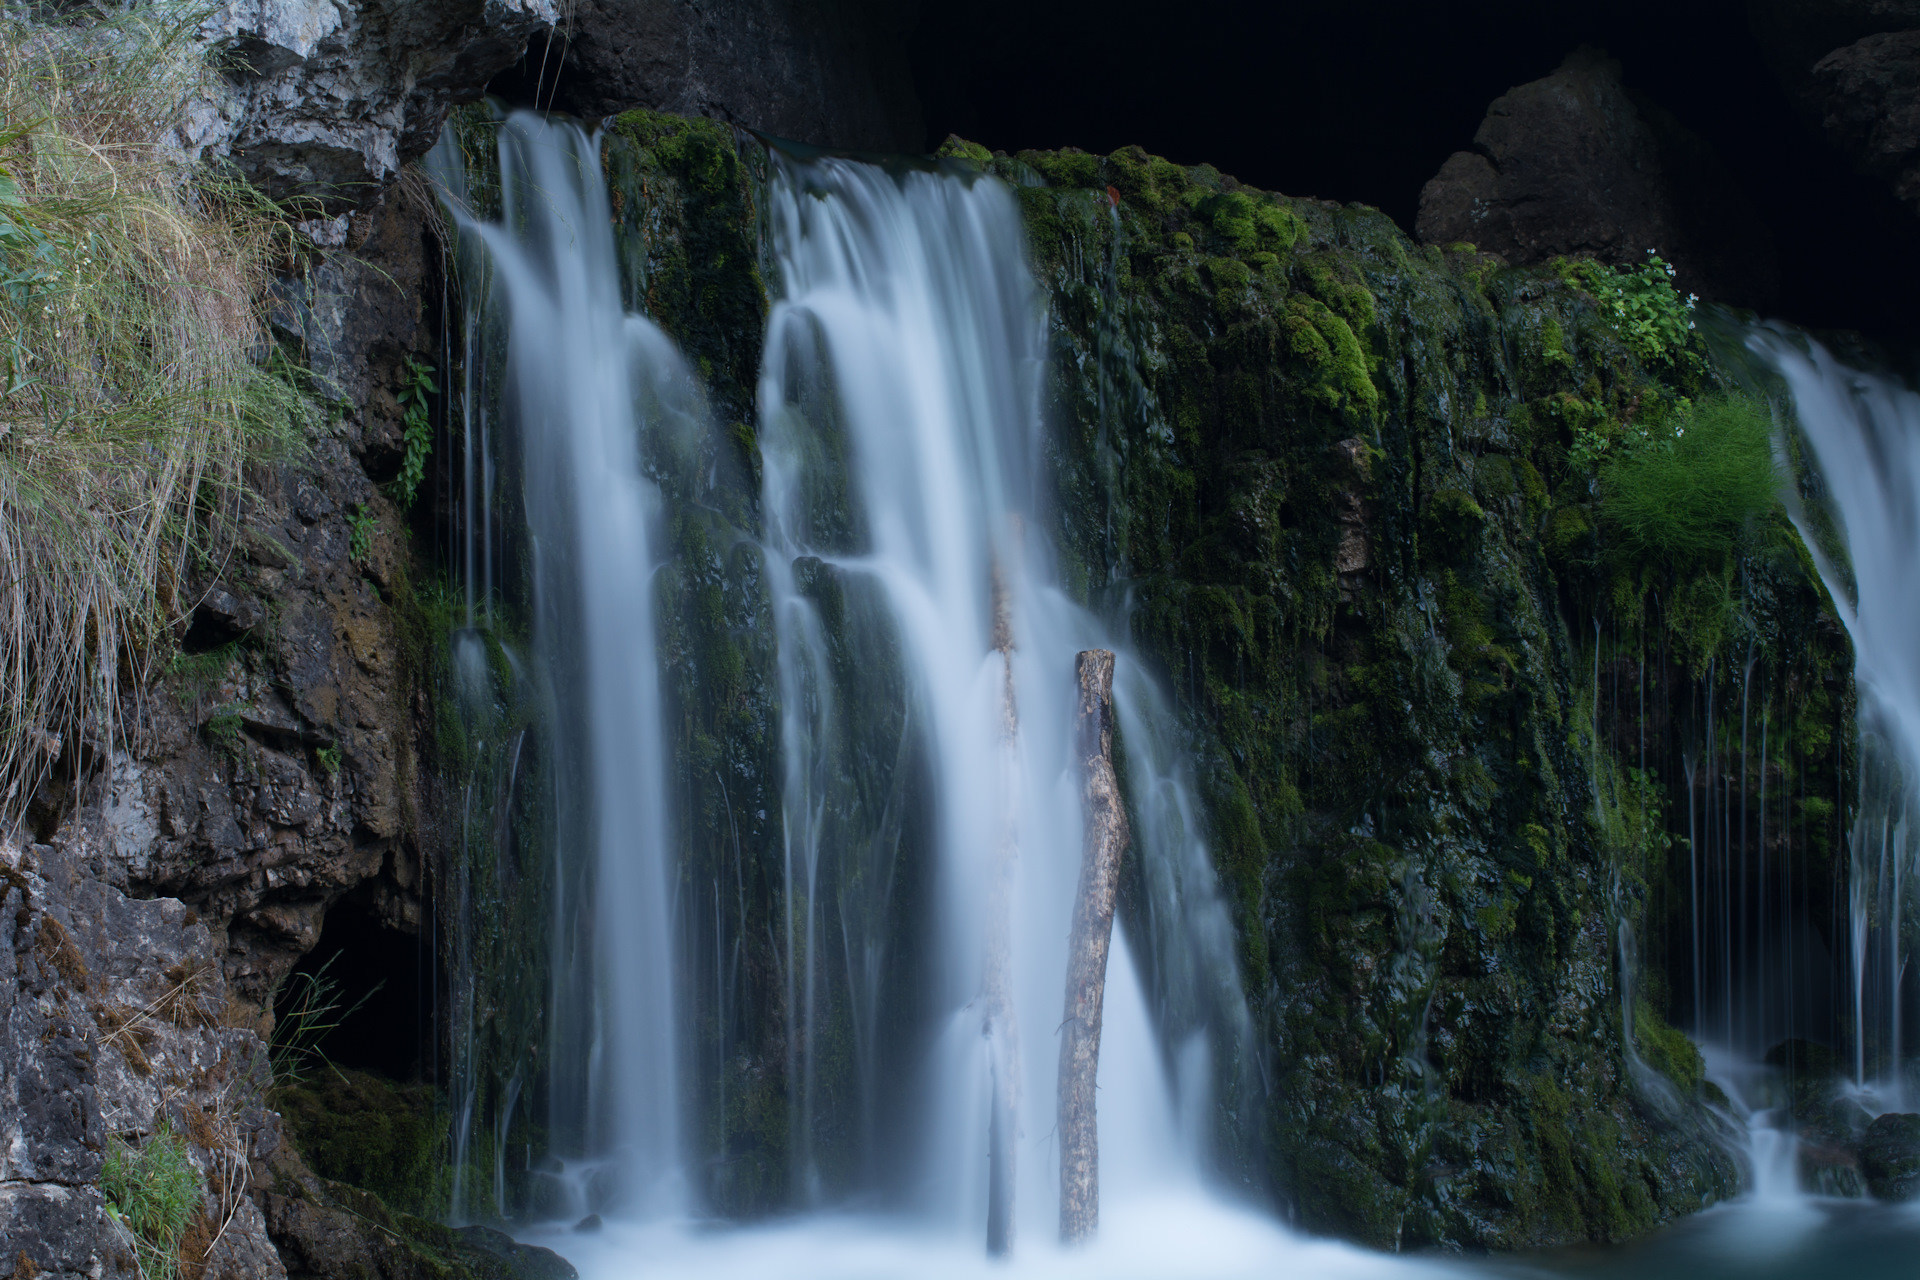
<point x="361" y="1129"/>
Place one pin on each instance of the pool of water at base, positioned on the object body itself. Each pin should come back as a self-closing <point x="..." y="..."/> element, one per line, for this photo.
<point x="1196" y="1237"/>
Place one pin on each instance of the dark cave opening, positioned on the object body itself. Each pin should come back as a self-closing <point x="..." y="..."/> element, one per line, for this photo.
<point x="378" y="980"/>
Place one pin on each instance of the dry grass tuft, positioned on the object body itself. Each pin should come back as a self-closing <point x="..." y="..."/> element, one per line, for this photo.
<point x="135" y="372"/>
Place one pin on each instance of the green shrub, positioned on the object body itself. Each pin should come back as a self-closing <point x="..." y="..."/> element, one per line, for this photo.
<point x="1680" y="495"/>
<point x="417" y="428"/>
<point x="154" y="1191"/>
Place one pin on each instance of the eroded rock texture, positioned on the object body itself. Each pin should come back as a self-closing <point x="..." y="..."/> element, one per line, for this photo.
<point x="329" y="100"/>
<point x="1576" y="164"/>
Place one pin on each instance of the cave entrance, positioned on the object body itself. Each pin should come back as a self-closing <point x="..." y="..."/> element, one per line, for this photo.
<point x="362" y="997"/>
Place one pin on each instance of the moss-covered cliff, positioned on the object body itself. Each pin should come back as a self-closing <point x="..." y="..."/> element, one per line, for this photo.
<point x="1360" y="502"/>
<point x="1356" y="497"/>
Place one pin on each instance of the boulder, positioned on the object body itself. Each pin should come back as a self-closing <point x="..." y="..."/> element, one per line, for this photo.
<point x="1890" y="1156"/>
<point x="1575" y="163"/>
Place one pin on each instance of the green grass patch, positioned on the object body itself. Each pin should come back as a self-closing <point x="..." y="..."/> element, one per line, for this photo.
<point x="136" y="382"/>
<point x="153" y="1190"/>
<point x="1680" y="494"/>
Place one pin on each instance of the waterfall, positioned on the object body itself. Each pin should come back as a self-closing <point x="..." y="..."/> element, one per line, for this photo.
<point x="1862" y="432"/>
<point x="586" y="383"/>
<point x="926" y="657"/>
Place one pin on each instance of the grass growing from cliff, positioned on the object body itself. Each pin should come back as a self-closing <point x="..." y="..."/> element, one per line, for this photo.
<point x="134" y="383"/>
<point x="1681" y="495"/>
<point x="154" y="1191"/>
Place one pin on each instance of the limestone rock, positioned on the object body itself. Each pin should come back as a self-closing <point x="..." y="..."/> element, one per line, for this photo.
<point x="330" y="99"/>
<point x="1890" y="1156"/>
<point x="1576" y="164"/>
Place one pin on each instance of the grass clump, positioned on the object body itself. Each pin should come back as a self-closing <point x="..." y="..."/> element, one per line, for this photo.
<point x="308" y="1008"/>
<point x="154" y="1191"/>
<point x="1681" y="494"/>
<point x="134" y="383"/>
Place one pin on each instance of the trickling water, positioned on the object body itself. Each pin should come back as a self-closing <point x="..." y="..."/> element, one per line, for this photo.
<point x="1863" y="432"/>
<point x="586" y="382"/>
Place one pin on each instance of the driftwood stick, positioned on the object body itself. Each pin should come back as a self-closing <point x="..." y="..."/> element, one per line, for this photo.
<point x="1001" y="1029"/>
<point x="1106" y="841"/>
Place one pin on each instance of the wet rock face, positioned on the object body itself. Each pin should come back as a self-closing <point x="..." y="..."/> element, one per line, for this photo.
<point x="1575" y="164"/>
<point x="331" y="99"/>
<point x="827" y="72"/>
<point x="1890" y="1156"/>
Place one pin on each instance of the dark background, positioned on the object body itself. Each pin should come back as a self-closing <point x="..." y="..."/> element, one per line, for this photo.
<point x="1363" y="101"/>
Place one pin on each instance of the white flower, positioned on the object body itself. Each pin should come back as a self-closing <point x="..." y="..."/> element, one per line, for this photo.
<point x="1678" y="432"/>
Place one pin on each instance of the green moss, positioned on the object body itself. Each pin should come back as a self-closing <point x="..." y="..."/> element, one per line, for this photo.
<point x="1667" y="1050"/>
<point x="958" y="148"/>
<point x="373" y="1133"/>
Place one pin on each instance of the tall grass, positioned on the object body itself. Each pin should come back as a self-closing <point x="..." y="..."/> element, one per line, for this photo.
<point x="135" y="383"/>
<point x="1680" y="497"/>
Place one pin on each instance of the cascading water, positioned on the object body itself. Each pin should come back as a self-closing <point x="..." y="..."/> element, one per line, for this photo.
<point x="1863" y="435"/>
<point x="929" y="817"/>
<point x="588" y="382"/>
<point x="904" y="490"/>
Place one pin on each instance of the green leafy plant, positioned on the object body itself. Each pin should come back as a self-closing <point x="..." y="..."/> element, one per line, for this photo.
<point x="1681" y="493"/>
<point x="329" y="758"/>
<point x="307" y="1009"/>
<point x="416" y="427"/>
<point x="153" y="1190"/>
<point x="362" y="525"/>
<point x="1641" y="304"/>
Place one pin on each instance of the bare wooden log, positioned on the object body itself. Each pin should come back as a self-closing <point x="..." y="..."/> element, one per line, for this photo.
<point x="1001" y="1029"/>
<point x="1105" y="842"/>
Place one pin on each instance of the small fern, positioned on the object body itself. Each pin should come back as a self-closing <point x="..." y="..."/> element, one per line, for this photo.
<point x="416" y="429"/>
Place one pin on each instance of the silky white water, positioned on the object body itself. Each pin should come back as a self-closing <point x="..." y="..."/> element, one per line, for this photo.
<point x="1862" y="432"/>
<point x="587" y="381"/>
<point x="904" y="363"/>
<point x="925" y="655"/>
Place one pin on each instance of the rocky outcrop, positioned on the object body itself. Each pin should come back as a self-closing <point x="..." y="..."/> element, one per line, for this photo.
<point x="1854" y="68"/>
<point x="1576" y="164"/>
<point x="1868" y="96"/>
<point x="329" y="100"/>
<point x="116" y="1024"/>
<point x="827" y="72"/>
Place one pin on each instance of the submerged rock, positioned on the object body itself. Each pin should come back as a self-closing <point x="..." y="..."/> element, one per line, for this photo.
<point x="1890" y="1155"/>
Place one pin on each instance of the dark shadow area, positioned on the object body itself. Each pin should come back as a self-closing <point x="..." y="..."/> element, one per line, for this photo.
<point x="1365" y="101"/>
<point x="377" y="980"/>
